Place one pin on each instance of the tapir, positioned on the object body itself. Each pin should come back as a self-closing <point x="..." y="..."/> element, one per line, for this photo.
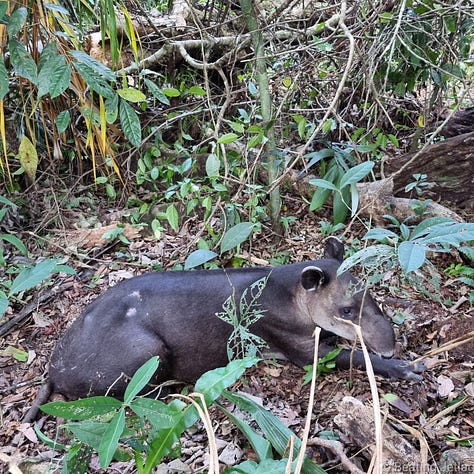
<point x="174" y="314"/>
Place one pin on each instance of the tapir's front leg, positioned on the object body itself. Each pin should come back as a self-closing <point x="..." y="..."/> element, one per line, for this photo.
<point x="389" y="368"/>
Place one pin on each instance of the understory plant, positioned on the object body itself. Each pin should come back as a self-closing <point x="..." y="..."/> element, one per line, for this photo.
<point x="18" y="278"/>
<point x="148" y="430"/>
<point x="409" y="247"/>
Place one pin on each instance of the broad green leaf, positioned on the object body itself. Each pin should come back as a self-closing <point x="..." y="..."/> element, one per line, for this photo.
<point x="131" y="95"/>
<point x="213" y="383"/>
<point x="268" y="466"/>
<point x="156" y="91"/>
<point x="54" y="77"/>
<point x="316" y="156"/>
<point x="49" y="52"/>
<point x="91" y="63"/>
<point x="197" y="91"/>
<point x="339" y="203"/>
<point x="322" y="183"/>
<point x="199" y="257"/>
<point x="236" y="235"/>
<point x="275" y="431"/>
<point x="30" y="277"/>
<point x="110" y="440"/>
<point x="159" y="414"/>
<point x="172" y="217"/>
<point x="22" y="62"/>
<point x="381" y="235"/>
<point x="425" y="226"/>
<point x="3" y="9"/>
<point x="227" y="138"/>
<point x="62" y="120"/>
<point x="171" y="92"/>
<point x="260" y="445"/>
<point x="212" y="165"/>
<point x="16" y="21"/>
<point x="89" y="431"/>
<point x="378" y="252"/>
<point x="94" y="80"/>
<point x="4" y="82"/>
<point x="140" y="379"/>
<point x="28" y="157"/>
<point x="82" y="409"/>
<point x="411" y="256"/>
<point x="130" y="123"/>
<point x="356" y="174"/>
<point x="3" y="304"/>
<point x="14" y="240"/>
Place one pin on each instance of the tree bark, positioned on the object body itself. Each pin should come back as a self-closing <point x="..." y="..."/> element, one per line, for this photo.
<point x="449" y="166"/>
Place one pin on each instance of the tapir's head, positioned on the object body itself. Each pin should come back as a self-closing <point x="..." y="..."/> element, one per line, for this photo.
<point x="332" y="300"/>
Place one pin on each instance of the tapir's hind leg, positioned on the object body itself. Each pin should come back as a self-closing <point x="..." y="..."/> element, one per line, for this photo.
<point x="83" y="366"/>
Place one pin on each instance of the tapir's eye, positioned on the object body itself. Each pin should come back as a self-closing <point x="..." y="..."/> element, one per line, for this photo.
<point x="346" y="312"/>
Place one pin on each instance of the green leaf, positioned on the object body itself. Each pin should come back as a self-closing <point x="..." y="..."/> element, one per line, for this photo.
<point x="212" y="383"/>
<point x="159" y="414"/>
<point x="22" y="62"/>
<point x="236" y="235"/>
<point x="356" y="174"/>
<point x="94" y="80"/>
<point x="268" y="466"/>
<point x="4" y="82"/>
<point x="156" y="91"/>
<point x="54" y="77"/>
<point x="227" y="138"/>
<point x="131" y="95"/>
<point x="48" y="441"/>
<point x="101" y="69"/>
<point x="197" y="91"/>
<point x="378" y="252"/>
<point x="16" y="21"/>
<point x="316" y="156"/>
<point x="109" y="442"/>
<point x="140" y="379"/>
<point x="130" y="123"/>
<point x="411" y="256"/>
<point x="199" y="257"/>
<point x="62" y="121"/>
<point x="89" y="431"/>
<point x="322" y="183"/>
<point x="171" y="92"/>
<point x="275" y="431"/>
<point x="260" y="445"/>
<point x="212" y="165"/>
<point x="340" y="203"/>
<point x="381" y="235"/>
<point x="30" y="277"/>
<point x="15" y="241"/>
<point x="172" y="217"/>
<point x="82" y="409"/>
<point x="3" y="304"/>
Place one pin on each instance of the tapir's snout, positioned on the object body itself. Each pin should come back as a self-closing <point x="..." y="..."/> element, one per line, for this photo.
<point x="379" y="336"/>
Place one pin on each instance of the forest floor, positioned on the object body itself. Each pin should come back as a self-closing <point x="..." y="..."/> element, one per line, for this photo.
<point x="438" y="409"/>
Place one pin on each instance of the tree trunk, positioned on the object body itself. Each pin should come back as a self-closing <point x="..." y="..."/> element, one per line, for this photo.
<point x="449" y="166"/>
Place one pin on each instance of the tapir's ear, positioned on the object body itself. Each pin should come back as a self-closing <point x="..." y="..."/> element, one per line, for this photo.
<point x="334" y="248"/>
<point x="312" y="278"/>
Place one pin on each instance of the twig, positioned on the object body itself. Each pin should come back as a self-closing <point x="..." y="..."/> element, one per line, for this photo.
<point x="336" y="448"/>
<point x="332" y="106"/>
<point x="307" y="426"/>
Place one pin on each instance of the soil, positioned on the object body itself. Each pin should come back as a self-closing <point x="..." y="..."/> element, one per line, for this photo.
<point x="423" y="325"/>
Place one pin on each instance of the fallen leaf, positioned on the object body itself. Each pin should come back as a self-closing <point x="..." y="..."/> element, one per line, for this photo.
<point x="445" y="386"/>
